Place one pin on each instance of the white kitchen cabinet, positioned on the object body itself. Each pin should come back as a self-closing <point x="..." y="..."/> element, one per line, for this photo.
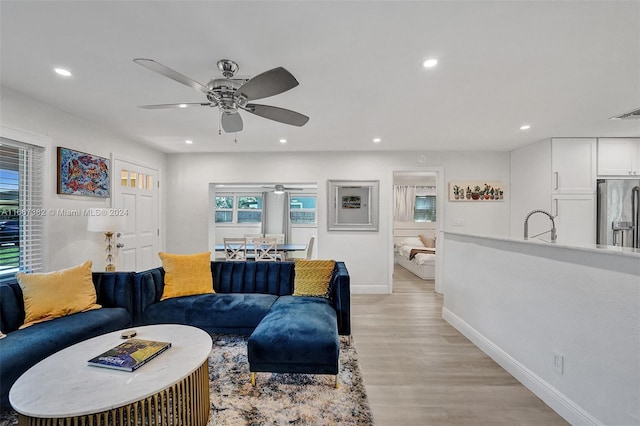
<point x="573" y="165"/>
<point x="557" y="175"/>
<point x="575" y="218"/>
<point x="619" y="157"/>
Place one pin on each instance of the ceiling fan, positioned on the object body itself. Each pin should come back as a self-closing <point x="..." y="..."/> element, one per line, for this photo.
<point x="233" y="94"/>
<point x="281" y="189"/>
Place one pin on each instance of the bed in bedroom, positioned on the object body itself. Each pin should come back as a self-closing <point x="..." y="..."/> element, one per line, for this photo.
<point x="417" y="257"/>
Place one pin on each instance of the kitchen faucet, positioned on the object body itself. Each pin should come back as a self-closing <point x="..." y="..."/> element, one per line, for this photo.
<point x="554" y="236"/>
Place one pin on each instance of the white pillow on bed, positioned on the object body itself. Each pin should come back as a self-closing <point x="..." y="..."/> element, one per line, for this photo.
<point x="412" y="241"/>
<point x="428" y="240"/>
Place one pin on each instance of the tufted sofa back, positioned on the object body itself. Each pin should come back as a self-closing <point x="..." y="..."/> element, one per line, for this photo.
<point x="253" y="277"/>
<point x="113" y="289"/>
<point x="228" y="277"/>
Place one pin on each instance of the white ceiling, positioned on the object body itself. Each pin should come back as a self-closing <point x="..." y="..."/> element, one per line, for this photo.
<point x="562" y="67"/>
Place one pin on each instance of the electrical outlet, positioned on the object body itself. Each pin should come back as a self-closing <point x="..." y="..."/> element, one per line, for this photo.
<point x="558" y="363"/>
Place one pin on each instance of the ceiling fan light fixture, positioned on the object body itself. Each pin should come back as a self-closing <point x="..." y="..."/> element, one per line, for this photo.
<point x="228" y="67"/>
<point x="231" y="95"/>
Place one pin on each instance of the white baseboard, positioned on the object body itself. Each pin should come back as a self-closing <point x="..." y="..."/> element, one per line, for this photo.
<point x="562" y="405"/>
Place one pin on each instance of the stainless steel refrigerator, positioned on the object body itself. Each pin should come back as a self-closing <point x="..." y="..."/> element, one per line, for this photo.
<point x="618" y="206"/>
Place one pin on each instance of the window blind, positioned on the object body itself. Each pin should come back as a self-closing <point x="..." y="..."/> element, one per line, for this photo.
<point x="21" y="208"/>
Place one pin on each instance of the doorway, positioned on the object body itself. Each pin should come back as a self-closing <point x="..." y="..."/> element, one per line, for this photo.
<point x="258" y="208"/>
<point x="426" y="188"/>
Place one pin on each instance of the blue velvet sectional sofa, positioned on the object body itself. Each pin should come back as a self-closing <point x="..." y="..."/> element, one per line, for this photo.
<point x="293" y="334"/>
<point x="287" y="334"/>
<point x="21" y="349"/>
<point x="244" y="293"/>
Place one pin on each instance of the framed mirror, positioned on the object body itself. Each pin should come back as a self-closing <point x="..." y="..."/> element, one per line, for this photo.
<point x="353" y="205"/>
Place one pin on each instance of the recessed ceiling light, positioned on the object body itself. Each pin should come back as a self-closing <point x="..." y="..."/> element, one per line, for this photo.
<point x="525" y="127"/>
<point x="377" y="140"/>
<point x="430" y="63"/>
<point x="62" y="72"/>
<point x="188" y="141"/>
<point x="182" y="106"/>
<point x="283" y="140"/>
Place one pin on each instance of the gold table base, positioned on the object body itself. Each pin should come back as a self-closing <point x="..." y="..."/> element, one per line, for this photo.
<point x="184" y="403"/>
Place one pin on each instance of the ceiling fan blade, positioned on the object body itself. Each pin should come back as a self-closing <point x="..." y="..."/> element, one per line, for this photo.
<point x="231" y="123"/>
<point x="182" y="105"/>
<point x="267" y="84"/>
<point x="168" y="72"/>
<point x="282" y="115"/>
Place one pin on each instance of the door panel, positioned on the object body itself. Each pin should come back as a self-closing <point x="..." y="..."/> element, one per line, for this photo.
<point x="126" y="260"/>
<point x="137" y="192"/>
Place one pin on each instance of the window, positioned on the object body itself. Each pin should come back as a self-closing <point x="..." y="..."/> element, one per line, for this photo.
<point x="239" y="209"/>
<point x="21" y="212"/>
<point x="249" y="209"/>
<point x="224" y="209"/>
<point x="129" y="178"/>
<point x="425" y="210"/>
<point x="303" y="209"/>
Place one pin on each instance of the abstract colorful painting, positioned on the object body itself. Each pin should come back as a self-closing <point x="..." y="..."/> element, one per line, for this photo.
<point x="84" y="174"/>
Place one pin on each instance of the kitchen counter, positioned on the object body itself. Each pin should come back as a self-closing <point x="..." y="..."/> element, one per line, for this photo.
<point x="624" y="251"/>
<point x="563" y="320"/>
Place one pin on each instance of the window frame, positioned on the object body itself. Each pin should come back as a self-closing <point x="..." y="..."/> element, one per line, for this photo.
<point x="236" y="210"/>
<point x="433" y="210"/>
<point x="313" y="224"/>
<point x="30" y="211"/>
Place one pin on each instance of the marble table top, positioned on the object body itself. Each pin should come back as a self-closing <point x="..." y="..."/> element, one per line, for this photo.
<point x="64" y="385"/>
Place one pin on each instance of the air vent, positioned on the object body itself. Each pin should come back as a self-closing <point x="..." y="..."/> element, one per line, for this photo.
<point x="631" y="115"/>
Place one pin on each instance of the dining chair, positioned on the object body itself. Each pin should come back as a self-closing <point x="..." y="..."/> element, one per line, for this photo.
<point x="278" y="237"/>
<point x="310" y="247"/>
<point x="235" y="249"/>
<point x="265" y="249"/>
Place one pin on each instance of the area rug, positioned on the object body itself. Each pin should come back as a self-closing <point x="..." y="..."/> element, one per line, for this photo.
<point x="278" y="399"/>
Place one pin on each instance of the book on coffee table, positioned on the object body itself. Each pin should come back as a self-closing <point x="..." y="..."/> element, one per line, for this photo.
<point x="130" y="355"/>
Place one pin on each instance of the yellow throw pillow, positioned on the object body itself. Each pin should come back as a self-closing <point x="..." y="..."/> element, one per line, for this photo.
<point x="428" y="241"/>
<point x="186" y="274"/>
<point x="56" y="294"/>
<point x="313" y="277"/>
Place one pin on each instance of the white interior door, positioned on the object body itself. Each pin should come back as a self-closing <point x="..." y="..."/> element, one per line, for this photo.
<point x="136" y="190"/>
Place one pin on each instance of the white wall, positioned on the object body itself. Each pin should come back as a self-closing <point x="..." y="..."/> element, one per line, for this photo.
<point x="523" y="302"/>
<point x="67" y="241"/>
<point x="184" y="194"/>
<point x="530" y="179"/>
<point x="367" y="254"/>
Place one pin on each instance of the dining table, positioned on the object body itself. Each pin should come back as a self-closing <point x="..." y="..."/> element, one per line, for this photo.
<point x="281" y="248"/>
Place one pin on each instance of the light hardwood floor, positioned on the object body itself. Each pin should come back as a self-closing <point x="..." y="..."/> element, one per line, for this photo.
<point x="419" y="370"/>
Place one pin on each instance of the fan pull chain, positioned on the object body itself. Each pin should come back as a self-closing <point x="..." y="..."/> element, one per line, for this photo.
<point x="235" y="138"/>
<point x="219" y="122"/>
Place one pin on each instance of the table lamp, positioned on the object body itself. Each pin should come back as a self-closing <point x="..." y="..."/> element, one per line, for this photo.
<point x="101" y="221"/>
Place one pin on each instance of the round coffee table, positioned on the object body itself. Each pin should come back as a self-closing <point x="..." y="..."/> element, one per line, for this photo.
<point x="172" y="389"/>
